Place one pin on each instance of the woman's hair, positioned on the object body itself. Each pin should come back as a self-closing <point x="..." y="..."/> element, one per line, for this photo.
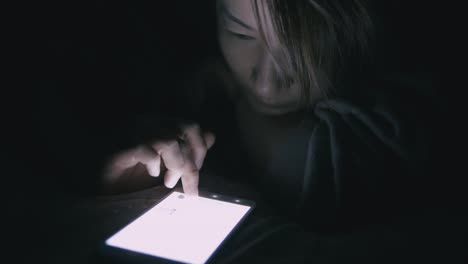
<point x="324" y="43"/>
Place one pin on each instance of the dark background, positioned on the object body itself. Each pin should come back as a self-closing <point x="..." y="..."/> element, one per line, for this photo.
<point x="84" y="68"/>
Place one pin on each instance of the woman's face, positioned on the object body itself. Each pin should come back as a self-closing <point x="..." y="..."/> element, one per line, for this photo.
<point x="265" y="87"/>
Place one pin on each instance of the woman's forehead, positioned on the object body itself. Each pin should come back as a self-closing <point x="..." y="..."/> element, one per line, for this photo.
<point x="241" y="9"/>
<point x="244" y="10"/>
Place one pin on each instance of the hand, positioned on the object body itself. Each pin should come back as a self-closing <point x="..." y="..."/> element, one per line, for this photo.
<point x="178" y="157"/>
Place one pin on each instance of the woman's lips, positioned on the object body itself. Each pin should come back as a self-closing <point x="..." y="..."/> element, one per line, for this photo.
<point x="271" y="108"/>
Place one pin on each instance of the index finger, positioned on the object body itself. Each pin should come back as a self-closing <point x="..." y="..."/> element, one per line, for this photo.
<point x="192" y="136"/>
<point x="190" y="176"/>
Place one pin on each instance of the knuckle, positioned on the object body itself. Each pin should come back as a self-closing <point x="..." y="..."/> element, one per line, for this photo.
<point x="172" y="143"/>
<point x="191" y="128"/>
<point x="133" y="154"/>
<point x="179" y="161"/>
<point x="180" y="164"/>
<point x="160" y="146"/>
<point x="138" y="150"/>
<point x="199" y="151"/>
<point x="190" y="168"/>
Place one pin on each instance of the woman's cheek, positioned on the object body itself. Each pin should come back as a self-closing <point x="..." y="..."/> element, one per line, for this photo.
<point x="239" y="57"/>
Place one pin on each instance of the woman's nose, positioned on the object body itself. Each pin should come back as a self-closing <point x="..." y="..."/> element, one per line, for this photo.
<point x="267" y="75"/>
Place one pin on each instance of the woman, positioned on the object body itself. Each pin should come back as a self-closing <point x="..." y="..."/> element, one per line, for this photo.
<point x="323" y="139"/>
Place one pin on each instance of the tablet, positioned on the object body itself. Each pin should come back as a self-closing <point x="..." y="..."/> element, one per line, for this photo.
<point x="181" y="229"/>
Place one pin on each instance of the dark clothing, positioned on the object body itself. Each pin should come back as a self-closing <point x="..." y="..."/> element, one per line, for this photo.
<point x="354" y="161"/>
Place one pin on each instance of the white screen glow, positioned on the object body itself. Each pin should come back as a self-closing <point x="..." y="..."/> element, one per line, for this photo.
<point x="187" y="229"/>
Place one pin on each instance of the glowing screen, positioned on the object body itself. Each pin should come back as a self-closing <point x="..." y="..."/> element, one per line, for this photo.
<point x="181" y="228"/>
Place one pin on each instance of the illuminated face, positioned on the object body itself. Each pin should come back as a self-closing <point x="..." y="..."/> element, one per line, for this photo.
<point x="263" y="85"/>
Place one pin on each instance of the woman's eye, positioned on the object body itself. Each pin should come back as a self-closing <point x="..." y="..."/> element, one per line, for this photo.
<point x="241" y="36"/>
